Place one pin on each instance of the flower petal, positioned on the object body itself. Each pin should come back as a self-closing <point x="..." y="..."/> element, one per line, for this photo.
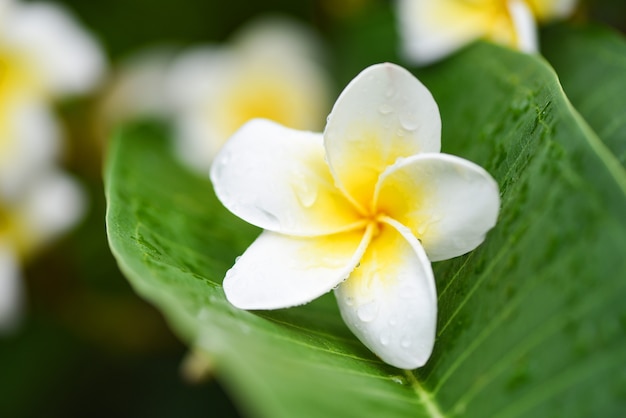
<point x="279" y="271"/>
<point x="448" y="203"/>
<point x="524" y="25"/>
<point x="52" y="204"/>
<point x="11" y="292"/>
<point x="276" y="178"/>
<point x="137" y="88"/>
<point x="389" y="302"/>
<point x="433" y="29"/>
<point x="278" y="37"/>
<point x="31" y="144"/>
<point x="196" y="79"/>
<point x="383" y="114"/>
<point x="546" y="10"/>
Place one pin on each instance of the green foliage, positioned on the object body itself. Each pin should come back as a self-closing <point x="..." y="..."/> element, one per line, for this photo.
<point x="591" y="64"/>
<point x="531" y="323"/>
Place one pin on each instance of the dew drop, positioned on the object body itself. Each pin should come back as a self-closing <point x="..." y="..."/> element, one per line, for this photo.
<point x="409" y="121"/>
<point x="305" y="191"/>
<point x="385" y="109"/>
<point x="406" y="342"/>
<point x="309" y="197"/>
<point x="368" y="311"/>
<point x="349" y="300"/>
<point x="400" y="132"/>
<point x="221" y="163"/>
<point x="398" y="379"/>
<point x="390" y="92"/>
<point x="384" y="338"/>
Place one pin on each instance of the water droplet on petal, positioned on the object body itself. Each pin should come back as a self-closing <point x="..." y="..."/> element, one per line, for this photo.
<point x="406" y="342"/>
<point x="368" y="311"/>
<point x="221" y="163"/>
<point x="385" y="109"/>
<point x="308" y="196"/>
<point x="349" y="300"/>
<point x="409" y="121"/>
<point x="385" y="338"/>
<point x="305" y="190"/>
<point x="390" y="92"/>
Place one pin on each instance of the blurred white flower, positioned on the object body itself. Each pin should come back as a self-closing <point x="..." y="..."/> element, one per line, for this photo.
<point x="44" y="55"/>
<point x="137" y="89"/>
<point x="44" y="207"/>
<point x="29" y="142"/>
<point x="270" y="70"/>
<point x="46" y="51"/>
<point x="433" y="29"/>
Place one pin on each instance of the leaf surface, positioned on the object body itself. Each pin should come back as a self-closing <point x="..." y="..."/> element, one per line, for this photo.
<point x="530" y="324"/>
<point x="591" y="64"/>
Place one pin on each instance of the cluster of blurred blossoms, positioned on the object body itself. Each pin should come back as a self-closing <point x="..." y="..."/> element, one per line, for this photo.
<point x="44" y="55"/>
<point x="434" y="29"/>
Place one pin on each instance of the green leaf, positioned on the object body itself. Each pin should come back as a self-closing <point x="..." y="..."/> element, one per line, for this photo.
<point x="591" y="64"/>
<point x="531" y="323"/>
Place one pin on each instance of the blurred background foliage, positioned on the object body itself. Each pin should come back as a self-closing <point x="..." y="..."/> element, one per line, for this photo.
<point x="88" y="345"/>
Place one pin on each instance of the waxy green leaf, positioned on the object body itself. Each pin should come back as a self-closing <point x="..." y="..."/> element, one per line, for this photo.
<point x="530" y="324"/>
<point x="591" y="64"/>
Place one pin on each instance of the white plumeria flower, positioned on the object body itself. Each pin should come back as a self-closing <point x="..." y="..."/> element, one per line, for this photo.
<point x="215" y="90"/>
<point x="47" y="206"/>
<point x="433" y="29"/>
<point x="360" y="209"/>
